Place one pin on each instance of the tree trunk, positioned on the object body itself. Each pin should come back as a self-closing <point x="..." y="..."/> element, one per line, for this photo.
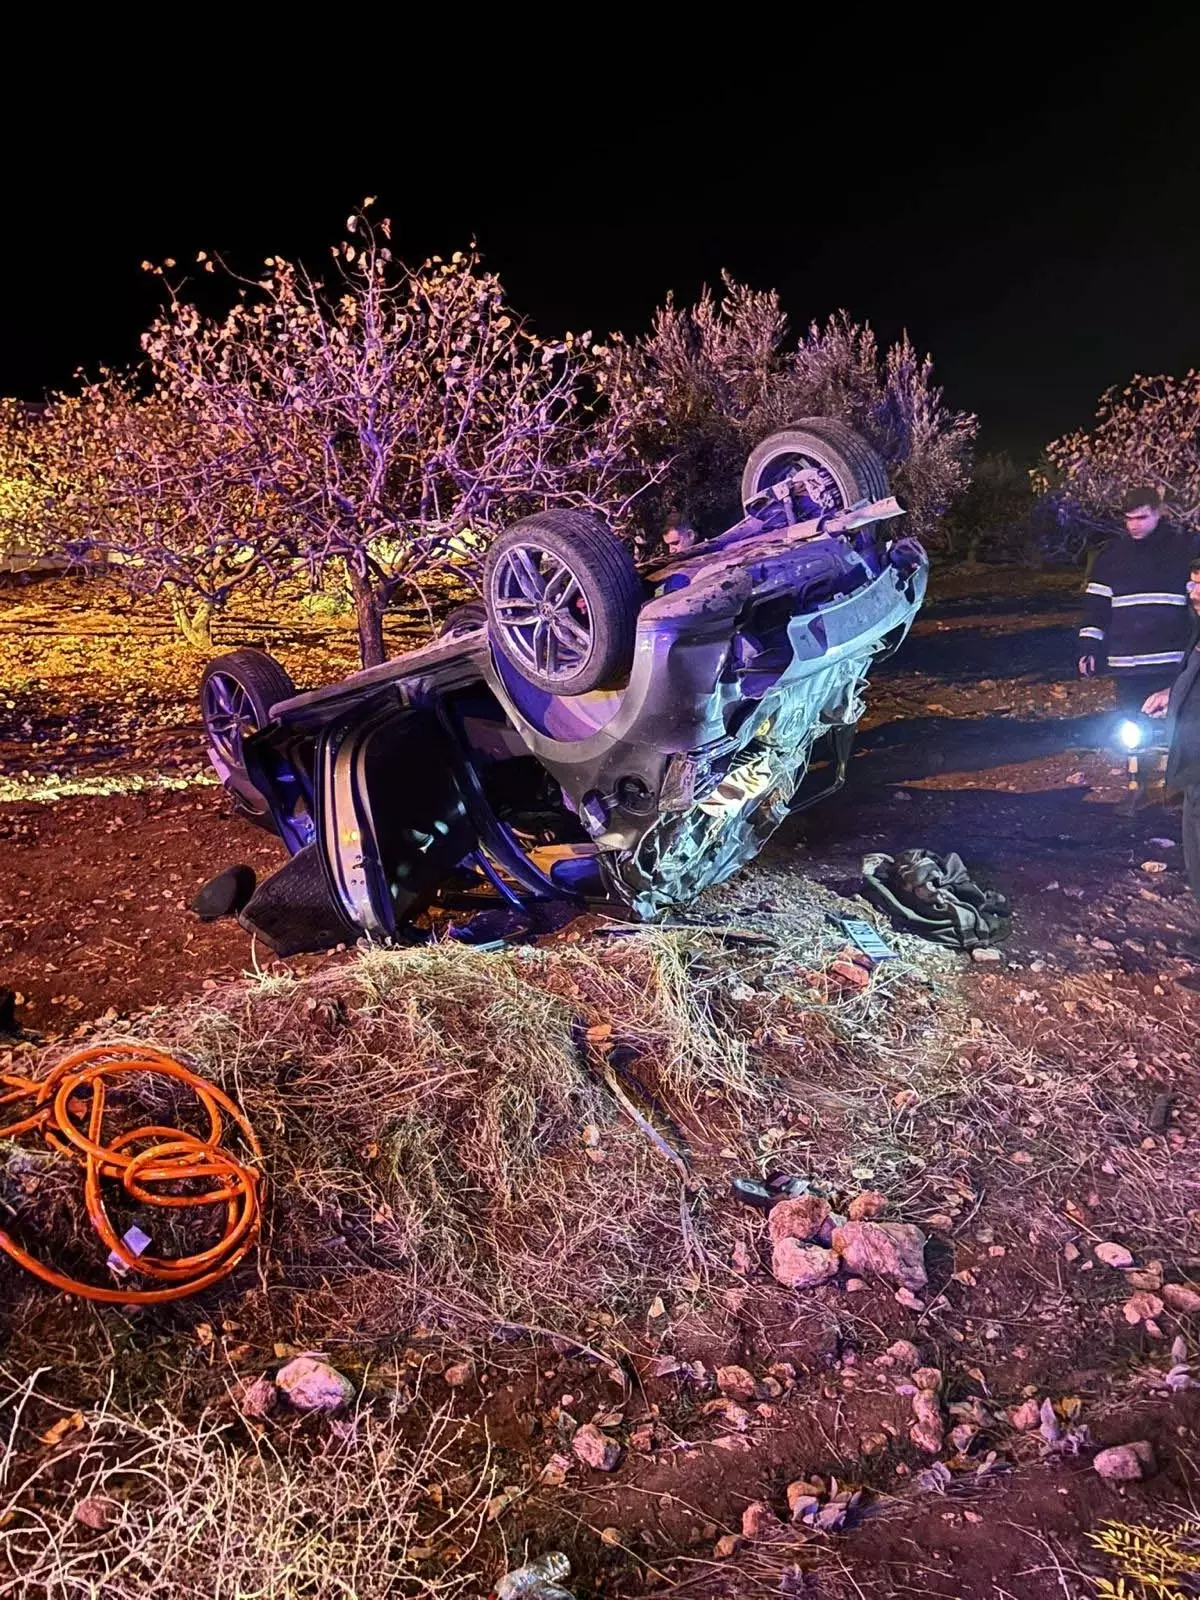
<point x="368" y="609"/>
<point x="194" y="622"/>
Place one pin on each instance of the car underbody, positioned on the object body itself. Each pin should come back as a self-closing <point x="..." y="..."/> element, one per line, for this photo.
<point x="467" y="772"/>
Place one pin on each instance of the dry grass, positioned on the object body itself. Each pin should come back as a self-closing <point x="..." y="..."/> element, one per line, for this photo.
<point x="425" y="1113"/>
<point x="215" y="1509"/>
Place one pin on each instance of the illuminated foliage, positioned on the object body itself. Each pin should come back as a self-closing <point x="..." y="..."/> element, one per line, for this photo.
<point x="729" y="373"/>
<point x="392" y="420"/>
<point x="1147" y="433"/>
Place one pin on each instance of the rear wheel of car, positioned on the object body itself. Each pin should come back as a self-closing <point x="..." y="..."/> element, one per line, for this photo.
<point x="562" y="596"/>
<point x="464" y="619"/>
<point x="237" y="692"/>
<point x="843" y="468"/>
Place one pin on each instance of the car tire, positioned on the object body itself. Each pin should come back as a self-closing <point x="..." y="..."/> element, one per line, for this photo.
<point x="464" y="619"/>
<point x="563" y="596"/>
<point x="237" y="692"/>
<point x="852" y="469"/>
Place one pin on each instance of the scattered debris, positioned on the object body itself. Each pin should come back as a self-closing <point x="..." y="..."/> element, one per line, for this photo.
<point x="727" y="1545"/>
<point x="537" y="1580"/>
<point x="459" y="1374"/>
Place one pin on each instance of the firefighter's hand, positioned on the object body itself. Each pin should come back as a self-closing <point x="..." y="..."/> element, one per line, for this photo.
<point x="1156" y="705"/>
<point x="1087" y="666"/>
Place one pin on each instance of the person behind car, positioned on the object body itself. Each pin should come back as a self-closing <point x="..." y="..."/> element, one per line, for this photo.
<point x="680" y="538"/>
<point x="1135" y="610"/>
<point x="1181" y="704"/>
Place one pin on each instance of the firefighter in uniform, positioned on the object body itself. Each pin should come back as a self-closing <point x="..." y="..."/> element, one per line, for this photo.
<point x="1136" y="618"/>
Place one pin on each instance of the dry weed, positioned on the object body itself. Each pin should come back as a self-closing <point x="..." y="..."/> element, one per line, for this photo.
<point x="129" y="1506"/>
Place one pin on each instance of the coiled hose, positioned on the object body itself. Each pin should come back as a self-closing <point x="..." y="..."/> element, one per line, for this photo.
<point x="151" y="1163"/>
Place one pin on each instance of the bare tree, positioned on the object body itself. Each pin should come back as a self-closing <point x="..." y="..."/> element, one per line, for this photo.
<point x="163" y="491"/>
<point x="1147" y="433"/>
<point x="395" y="419"/>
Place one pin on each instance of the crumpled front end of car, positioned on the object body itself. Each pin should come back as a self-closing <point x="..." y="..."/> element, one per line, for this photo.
<point x="682" y="777"/>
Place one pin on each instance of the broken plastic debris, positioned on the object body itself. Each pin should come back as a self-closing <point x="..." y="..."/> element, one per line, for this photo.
<point x="136" y="1242"/>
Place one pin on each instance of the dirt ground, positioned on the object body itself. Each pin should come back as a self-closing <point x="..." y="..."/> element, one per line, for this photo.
<point x="979" y="739"/>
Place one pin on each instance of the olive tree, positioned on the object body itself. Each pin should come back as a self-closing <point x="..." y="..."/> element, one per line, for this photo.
<point x="728" y="372"/>
<point x="393" y="419"/>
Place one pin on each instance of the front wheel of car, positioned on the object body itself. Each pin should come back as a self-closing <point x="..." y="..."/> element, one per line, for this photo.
<point x="237" y="692"/>
<point x="562" y="596"/>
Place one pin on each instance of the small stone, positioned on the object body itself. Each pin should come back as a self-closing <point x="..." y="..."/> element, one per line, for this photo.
<point x="610" y="1536"/>
<point x="802" y="1266"/>
<point x="928" y="1436"/>
<point x="595" y="1449"/>
<point x="97" y="1512"/>
<point x="802" y="1502"/>
<point x="1026" y="1416"/>
<point x="727" y="1545"/>
<point x="1113" y="1255"/>
<point x="554" y="1473"/>
<point x="736" y="1382"/>
<point x="962" y="1436"/>
<point x="1127" y="1463"/>
<point x="928" y="1432"/>
<point x="258" y="1398"/>
<point x="1181" y="1297"/>
<point x="928" y="1378"/>
<point x="906" y="1298"/>
<point x="461" y="1372"/>
<point x="757" y="1519"/>
<point x="1142" y="1307"/>
<point x="855" y="1285"/>
<point x="905" y="1354"/>
<point x="311" y="1384"/>
<point x="986" y="954"/>
<point x="867" y="1206"/>
<point x="797" y="1219"/>
<point x="891" y="1250"/>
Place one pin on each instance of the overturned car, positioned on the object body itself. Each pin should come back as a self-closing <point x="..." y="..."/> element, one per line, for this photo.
<point x="589" y="731"/>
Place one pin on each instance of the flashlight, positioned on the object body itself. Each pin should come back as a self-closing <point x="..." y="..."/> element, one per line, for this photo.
<point x="1130" y="734"/>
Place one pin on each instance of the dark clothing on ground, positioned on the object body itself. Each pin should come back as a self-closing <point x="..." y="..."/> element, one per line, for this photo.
<point x="1135" y="610"/>
<point x="1183" y="763"/>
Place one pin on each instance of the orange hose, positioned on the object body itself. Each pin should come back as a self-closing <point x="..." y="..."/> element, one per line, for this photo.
<point x="148" y="1175"/>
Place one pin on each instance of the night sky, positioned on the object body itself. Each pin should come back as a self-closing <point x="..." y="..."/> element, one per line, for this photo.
<point x="1026" y="202"/>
